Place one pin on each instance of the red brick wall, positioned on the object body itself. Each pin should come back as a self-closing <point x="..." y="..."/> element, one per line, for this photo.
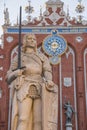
<point x="67" y="67"/>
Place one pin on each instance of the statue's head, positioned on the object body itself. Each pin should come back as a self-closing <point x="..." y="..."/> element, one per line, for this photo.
<point x="68" y="102"/>
<point x="29" y="41"/>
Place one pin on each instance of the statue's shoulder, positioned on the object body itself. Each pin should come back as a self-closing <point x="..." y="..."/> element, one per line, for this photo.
<point x="15" y="58"/>
<point x="42" y="57"/>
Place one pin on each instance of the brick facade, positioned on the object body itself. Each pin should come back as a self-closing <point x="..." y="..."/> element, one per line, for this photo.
<point x="73" y="66"/>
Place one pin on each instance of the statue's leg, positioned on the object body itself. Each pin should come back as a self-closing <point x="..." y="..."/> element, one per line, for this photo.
<point x="37" y="110"/>
<point x="25" y="114"/>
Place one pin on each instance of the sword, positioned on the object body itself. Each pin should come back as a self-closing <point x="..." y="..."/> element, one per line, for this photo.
<point x="18" y="67"/>
<point x="19" y="47"/>
<point x="20" y="44"/>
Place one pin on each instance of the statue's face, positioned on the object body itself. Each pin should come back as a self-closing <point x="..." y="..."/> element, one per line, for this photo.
<point x="31" y="41"/>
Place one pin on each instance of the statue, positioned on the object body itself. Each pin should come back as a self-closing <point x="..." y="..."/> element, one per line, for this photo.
<point x="27" y="84"/>
<point x="69" y="112"/>
<point x="6" y="16"/>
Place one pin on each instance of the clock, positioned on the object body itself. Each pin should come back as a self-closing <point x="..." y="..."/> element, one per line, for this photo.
<point x="54" y="45"/>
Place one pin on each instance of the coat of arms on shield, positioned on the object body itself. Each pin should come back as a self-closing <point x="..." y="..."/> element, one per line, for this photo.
<point x="67" y="81"/>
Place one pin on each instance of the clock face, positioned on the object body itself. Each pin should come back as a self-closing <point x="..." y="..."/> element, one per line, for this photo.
<point x="54" y="45"/>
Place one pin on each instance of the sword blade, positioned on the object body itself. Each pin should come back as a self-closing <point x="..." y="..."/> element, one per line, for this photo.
<point x="20" y="44"/>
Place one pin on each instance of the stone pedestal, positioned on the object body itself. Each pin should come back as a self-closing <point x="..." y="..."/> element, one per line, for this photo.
<point x="68" y="126"/>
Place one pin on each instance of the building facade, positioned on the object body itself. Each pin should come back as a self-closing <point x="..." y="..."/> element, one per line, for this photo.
<point x="69" y="67"/>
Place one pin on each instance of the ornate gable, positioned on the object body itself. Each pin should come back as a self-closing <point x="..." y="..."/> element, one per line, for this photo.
<point x="54" y="14"/>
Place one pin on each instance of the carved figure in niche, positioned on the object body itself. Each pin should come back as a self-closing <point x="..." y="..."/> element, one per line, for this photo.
<point x="27" y="84"/>
<point x="69" y="112"/>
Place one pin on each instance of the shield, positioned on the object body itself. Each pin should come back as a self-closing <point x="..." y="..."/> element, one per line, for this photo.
<point x="49" y="109"/>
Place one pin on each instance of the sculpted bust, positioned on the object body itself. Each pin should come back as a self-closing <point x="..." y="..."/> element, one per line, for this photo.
<point x="27" y="84"/>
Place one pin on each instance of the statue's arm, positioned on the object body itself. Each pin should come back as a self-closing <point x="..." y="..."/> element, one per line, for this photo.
<point x="47" y="69"/>
<point x="10" y="76"/>
<point x="47" y="72"/>
<point x="13" y="72"/>
<point x="73" y="110"/>
<point x="65" y="106"/>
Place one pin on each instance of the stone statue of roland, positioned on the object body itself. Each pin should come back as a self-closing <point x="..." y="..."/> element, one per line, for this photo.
<point x="27" y="84"/>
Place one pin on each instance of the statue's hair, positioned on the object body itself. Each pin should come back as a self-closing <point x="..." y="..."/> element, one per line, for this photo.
<point x="25" y="43"/>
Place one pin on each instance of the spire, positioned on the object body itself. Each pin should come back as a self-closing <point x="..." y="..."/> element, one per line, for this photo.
<point x="17" y="20"/>
<point x="40" y="11"/>
<point x="68" y="12"/>
<point x="79" y="9"/>
<point x="40" y="17"/>
<point x="29" y="9"/>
